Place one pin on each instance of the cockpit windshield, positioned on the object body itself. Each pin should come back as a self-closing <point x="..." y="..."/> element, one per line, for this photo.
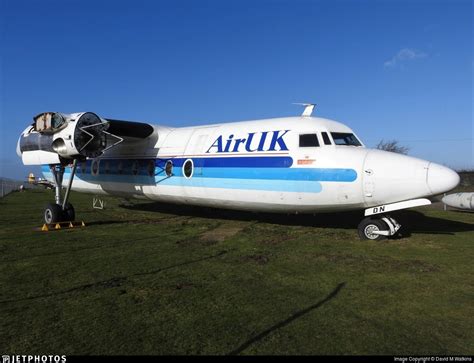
<point x="345" y="138"/>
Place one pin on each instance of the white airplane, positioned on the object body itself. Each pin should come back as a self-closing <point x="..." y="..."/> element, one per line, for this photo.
<point x="287" y="165"/>
<point x="40" y="181"/>
<point x="460" y="200"/>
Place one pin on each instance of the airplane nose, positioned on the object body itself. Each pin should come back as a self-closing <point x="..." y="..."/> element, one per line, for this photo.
<point x="441" y="179"/>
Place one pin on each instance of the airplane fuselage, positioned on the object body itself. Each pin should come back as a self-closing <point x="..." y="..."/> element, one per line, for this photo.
<point x="290" y="165"/>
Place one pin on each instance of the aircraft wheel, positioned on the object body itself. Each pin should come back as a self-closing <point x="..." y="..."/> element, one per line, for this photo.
<point x="68" y="213"/>
<point x="368" y="226"/>
<point x="53" y="213"/>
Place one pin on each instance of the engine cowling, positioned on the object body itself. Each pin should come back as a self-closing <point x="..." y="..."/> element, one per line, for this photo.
<point x="56" y="137"/>
<point x="71" y="136"/>
<point x="82" y="136"/>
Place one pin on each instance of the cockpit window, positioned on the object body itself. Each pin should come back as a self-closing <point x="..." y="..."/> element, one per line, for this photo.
<point x="326" y="139"/>
<point x="309" y="140"/>
<point x="343" y="138"/>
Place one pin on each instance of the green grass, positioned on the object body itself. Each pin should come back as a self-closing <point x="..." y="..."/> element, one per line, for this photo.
<point x="159" y="279"/>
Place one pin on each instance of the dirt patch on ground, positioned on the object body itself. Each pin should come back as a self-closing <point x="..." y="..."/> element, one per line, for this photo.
<point x="213" y="236"/>
<point x="221" y="233"/>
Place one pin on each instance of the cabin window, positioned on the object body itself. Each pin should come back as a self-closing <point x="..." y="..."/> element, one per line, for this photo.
<point x="151" y="168"/>
<point x="309" y="140"/>
<point x="169" y="168"/>
<point x="326" y="139"/>
<point x="135" y="167"/>
<point x="345" y="138"/>
<point x="188" y="168"/>
<point x="95" y="167"/>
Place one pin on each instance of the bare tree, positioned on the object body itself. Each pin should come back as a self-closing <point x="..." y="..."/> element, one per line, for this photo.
<point x="393" y="146"/>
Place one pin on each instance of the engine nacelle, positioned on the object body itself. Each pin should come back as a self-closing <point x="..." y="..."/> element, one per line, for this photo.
<point x="78" y="135"/>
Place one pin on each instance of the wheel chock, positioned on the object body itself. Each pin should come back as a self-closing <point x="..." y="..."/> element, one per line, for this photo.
<point x="61" y="225"/>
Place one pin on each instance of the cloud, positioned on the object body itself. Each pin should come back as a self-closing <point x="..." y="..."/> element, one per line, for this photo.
<point x="404" y="55"/>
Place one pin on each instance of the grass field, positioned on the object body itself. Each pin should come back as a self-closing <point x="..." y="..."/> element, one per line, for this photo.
<point x="160" y="279"/>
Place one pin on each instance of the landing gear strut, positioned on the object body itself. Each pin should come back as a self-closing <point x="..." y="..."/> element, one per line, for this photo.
<point x="378" y="227"/>
<point x="60" y="211"/>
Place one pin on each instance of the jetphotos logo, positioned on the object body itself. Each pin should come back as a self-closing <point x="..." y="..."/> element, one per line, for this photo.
<point x="255" y="141"/>
<point x="33" y="358"/>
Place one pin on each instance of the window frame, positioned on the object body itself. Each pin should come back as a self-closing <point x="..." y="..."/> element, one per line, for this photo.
<point x="307" y="134"/>
<point x="345" y="133"/>
<point x="184" y="169"/>
<point x="169" y="171"/>
<point x="327" y="142"/>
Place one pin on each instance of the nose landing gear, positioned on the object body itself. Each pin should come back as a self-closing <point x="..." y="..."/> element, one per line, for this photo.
<point x="377" y="228"/>
<point x="60" y="211"/>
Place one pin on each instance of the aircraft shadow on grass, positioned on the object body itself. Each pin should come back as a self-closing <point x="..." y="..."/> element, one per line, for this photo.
<point x="287" y="321"/>
<point x="413" y="221"/>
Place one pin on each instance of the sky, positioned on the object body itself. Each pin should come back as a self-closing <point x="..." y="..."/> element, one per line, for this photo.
<point x="388" y="69"/>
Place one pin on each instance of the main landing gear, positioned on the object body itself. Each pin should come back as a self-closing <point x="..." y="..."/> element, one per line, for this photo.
<point x="378" y="227"/>
<point x="60" y="211"/>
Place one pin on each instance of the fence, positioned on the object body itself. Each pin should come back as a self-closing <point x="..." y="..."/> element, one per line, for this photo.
<point x="7" y="186"/>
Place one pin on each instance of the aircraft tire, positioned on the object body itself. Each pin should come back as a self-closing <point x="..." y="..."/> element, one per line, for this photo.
<point x="371" y="224"/>
<point x="53" y="213"/>
<point x="68" y="213"/>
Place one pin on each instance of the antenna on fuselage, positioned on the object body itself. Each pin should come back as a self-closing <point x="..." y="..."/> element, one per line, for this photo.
<point x="308" y="109"/>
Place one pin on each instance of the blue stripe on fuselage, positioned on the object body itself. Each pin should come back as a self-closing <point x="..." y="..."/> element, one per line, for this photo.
<point x="234" y="162"/>
<point x="251" y="173"/>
